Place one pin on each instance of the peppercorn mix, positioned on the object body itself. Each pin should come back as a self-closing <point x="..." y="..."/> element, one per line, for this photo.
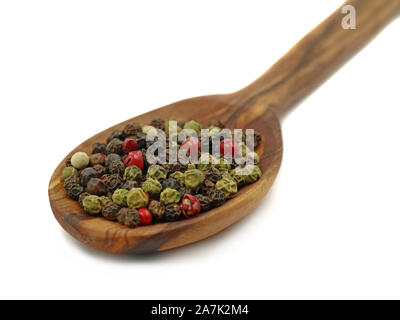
<point x="121" y="183"/>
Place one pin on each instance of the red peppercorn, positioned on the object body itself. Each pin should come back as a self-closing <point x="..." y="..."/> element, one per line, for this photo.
<point x="190" y="205"/>
<point x="145" y="216"/>
<point x="134" y="158"/>
<point x="228" y="147"/>
<point x="191" y="144"/>
<point x="129" y="145"/>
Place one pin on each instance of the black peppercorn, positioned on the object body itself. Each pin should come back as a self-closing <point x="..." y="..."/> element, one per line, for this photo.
<point x="157" y="209"/>
<point x="116" y="166"/>
<point x="87" y="174"/>
<point x="184" y="190"/>
<point x="70" y="181"/>
<point x="101" y="170"/>
<point x="131" y="129"/>
<point x="99" y="148"/>
<point x="129" y="217"/>
<point x="114" y="146"/>
<point x="217" y="197"/>
<point x="171" y="183"/>
<point x="173" y="167"/>
<point x="111" y="157"/>
<point x="158" y="123"/>
<point x="110" y="210"/>
<point x="115" y="134"/>
<point x="140" y="138"/>
<point x="205" y="202"/>
<point x="207" y="187"/>
<point x="172" y="212"/>
<point x="112" y="181"/>
<point x="212" y="174"/>
<point x="96" y="158"/>
<point x="96" y="187"/>
<point x="74" y="191"/>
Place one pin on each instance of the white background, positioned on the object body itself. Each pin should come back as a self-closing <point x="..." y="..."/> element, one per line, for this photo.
<point x="330" y="226"/>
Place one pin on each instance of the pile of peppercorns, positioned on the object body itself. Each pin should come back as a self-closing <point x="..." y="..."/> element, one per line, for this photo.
<point x="118" y="182"/>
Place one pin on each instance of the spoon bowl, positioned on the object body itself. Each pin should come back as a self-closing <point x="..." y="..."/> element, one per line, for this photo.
<point x="113" y="237"/>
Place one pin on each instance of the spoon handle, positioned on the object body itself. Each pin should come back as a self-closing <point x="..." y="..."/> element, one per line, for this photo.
<point x="315" y="57"/>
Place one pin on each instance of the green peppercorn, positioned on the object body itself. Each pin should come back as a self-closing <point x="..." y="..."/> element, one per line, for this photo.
<point x="213" y="130"/>
<point x="156" y="172"/>
<point x="119" y="197"/>
<point x="82" y="196"/>
<point x="194" y="125"/>
<point x="227" y="185"/>
<point x="251" y="173"/>
<point x="254" y="157"/>
<point x="193" y="178"/>
<point x="177" y="175"/>
<point x="239" y="178"/>
<point x="136" y="198"/>
<point x="69" y="171"/>
<point x="133" y="173"/>
<point x="152" y="186"/>
<point x="227" y="175"/>
<point x="149" y="130"/>
<point x="92" y="204"/>
<point x="104" y="200"/>
<point x="169" y="196"/>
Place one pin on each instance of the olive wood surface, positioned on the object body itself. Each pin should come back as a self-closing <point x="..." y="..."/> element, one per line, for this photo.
<point x="257" y="106"/>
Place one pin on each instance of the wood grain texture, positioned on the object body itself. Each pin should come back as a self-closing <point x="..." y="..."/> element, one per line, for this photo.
<point x="257" y="106"/>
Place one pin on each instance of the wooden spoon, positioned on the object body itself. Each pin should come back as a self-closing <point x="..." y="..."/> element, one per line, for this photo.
<point x="257" y="106"/>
